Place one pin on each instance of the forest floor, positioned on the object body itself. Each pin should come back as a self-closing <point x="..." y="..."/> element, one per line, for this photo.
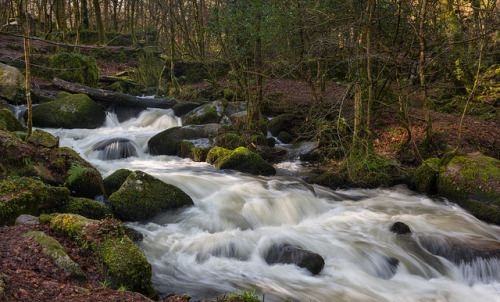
<point x="29" y="274"/>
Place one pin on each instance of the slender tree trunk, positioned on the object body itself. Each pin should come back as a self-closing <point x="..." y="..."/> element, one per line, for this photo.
<point x="421" y="69"/>
<point x="100" y="24"/>
<point x="78" y="21"/>
<point x="115" y="15"/>
<point x="25" y="27"/>
<point x="369" y="68"/>
<point x="85" y="14"/>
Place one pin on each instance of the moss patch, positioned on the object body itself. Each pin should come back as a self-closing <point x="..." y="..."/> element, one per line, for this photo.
<point x="142" y="196"/>
<point x="87" y="207"/>
<point x="427" y="174"/>
<point x="114" y="181"/>
<point x="9" y="122"/>
<point x="79" y="68"/>
<point x="240" y="159"/>
<point x="84" y="181"/>
<point x="74" y="111"/>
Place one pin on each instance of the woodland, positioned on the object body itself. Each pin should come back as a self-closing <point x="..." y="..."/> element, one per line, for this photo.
<point x="391" y="91"/>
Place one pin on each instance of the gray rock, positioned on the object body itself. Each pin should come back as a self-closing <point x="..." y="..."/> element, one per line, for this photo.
<point x="27" y="219"/>
<point x="292" y="254"/>
<point x="11" y="81"/>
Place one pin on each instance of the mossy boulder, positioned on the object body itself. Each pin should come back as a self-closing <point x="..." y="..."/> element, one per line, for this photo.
<point x="240" y="159"/>
<point x="206" y="114"/>
<point x="472" y="181"/>
<point x="283" y="122"/>
<point x="372" y="170"/>
<point x="114" y="181"/>
<point x="57" y="254"/>
<point x="87" y="207"/>
<point x="8" y="122"/>
<point x="182" y="108"/>
<point x="142" y="196"/>
<point x="427" y="174"/>
<point x="474" y="176"/>
<point x="24" y="195"/>
<point x="44" y="139"/>
<point x="122" y="260"/>
<point x="73" y="111"/>
<point x="167" y="142"/>
<point x="285" y="137"/>
<point x="331" y="179"/>
<point x="84" y="181"/>
<point x="76" y="68"/>
<point x="11" y="83"/>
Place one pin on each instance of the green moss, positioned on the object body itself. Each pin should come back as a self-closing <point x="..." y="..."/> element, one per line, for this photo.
<point x="199" y="154"/>
<point x="228" y="94"/>
<point x="370" y="170"/>
<point x="87" y="207"/>
<point x="185" y="149"/>
<point x="482" y="211"/>
<point x="142" y="196"/>
<point x="57" y="254"/>
<point x="206" y="115"/>
<point x="240" y="159"/>
<point x="230" y="141"/>
<point x="43" y="139"/>
<point x="24" y="195"/>
<point x="333" y="180"/>
<point x="77" y="68"/>
<point x="114" y="181"/>
<point x="74" y="111"/>
<point x="62" y="95"/>
<point x="283" y="122"/>
<point x="427" y="174"/>
<point x="475" y="176"/>
<point x="285" y="137"/>
<point x="84" y="181"/>
<point x="9" y="122"/>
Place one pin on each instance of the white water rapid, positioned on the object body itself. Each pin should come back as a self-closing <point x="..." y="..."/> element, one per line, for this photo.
<point x="218" y="246"/>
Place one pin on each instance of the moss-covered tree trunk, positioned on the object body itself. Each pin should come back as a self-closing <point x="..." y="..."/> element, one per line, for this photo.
<point x="421" y="68"/>
<point x="25" y="27"/>
<point x="100" y="24"/>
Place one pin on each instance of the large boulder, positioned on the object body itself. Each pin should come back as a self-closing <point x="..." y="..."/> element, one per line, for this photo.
<point x="206" y="114"/>
<point x="114" y="181"/>
<point x="142" y="196"/>
<point x="72" y="111"/>
<point x="25" y="195"/>
<point x="182" y="108"/>
<point x="168" y="141"/>
<point x="472" y="182"/>
<point x="240" y="159"/>
<point x="11" y="83"/>
<point x="123" y="262"/>
<point x="292" y="254"/>
<point x="283" y="122"/>
<point x="8" y="122"/>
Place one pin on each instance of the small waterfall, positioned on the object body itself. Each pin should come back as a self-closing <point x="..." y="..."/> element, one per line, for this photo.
<point x="219" y="245"/>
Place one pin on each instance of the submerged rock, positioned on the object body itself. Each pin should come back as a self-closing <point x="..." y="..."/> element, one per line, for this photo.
<point x="400" y="228"/>
<point x="459" y="250"/>
<point x="291" y="254"/>
<point x="240" y="159"/>
<point x="73" y="111"/>
<point x="142" y="196"/>
<point x="115" y="148"/>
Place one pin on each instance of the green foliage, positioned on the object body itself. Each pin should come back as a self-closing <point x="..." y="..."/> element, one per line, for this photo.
<point x="148" y="72"/>
<point x="84" y="181"/>
<point x="247" y="296"/>
<point x="76" y="68"/>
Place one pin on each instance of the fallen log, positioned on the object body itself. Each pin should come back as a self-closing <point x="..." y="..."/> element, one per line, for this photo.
<point x="112" y="97"/>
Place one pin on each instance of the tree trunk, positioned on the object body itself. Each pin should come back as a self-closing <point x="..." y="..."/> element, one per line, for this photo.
<point x="421" y="70"/>
<point x="371" y="6"/>
<point x="85" y="14"/>
<point x="27" y="51"/>
<point x="100" y="24"/>
<point x="112" y="97"/>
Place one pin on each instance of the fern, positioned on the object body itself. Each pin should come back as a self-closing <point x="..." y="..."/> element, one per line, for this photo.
<point x="75" y="171"/>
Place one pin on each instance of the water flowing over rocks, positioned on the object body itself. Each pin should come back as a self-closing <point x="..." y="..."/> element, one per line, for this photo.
<point x="115" y="148"/>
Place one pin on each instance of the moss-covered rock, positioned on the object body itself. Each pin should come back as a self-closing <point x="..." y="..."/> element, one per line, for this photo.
<point x="24" y="195"/>
<point x="206" y="114"/>
<point x="285" y="137"/>
<point x="240" y="159"/>
<point x="200" y="154"/>
<point x="84" y="181"/>
<point x="74" y="111"/>
<point x="283" y="122"/>
<point x="182" y="108"/>
<point x="426" y="175"/>
<point x="87" y="207"/>
<point x="142" y="196"/>
<point x="62" y="95"/>
<point x="76" y="68"/>
<point x="337" y="179"/>
<point x="230" y="141"/>
<point x="57" y="254"/>
<point x="372" y="171"/>
<point x="473" y="181"/>
<point x="167" y="142"/>
<point x="122" y="260"/>
<point x="8" y="122"/>
<point x="43" y="139"/>
<point x="11" y="83"/>
<point x="114" y="181"/>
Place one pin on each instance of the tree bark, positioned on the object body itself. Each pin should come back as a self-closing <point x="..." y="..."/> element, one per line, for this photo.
<point x="112" y="97"/>
<point x="421" y="70"/>
<point x="100" y="24"/>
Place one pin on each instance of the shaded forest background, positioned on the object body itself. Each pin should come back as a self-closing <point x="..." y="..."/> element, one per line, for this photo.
<point x="360" y="63"/>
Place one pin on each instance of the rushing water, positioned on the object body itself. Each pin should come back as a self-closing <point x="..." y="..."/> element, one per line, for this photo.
<point x="218" y="246"/>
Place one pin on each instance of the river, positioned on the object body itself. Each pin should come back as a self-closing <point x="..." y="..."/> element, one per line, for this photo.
<point x="218" y="246"/>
